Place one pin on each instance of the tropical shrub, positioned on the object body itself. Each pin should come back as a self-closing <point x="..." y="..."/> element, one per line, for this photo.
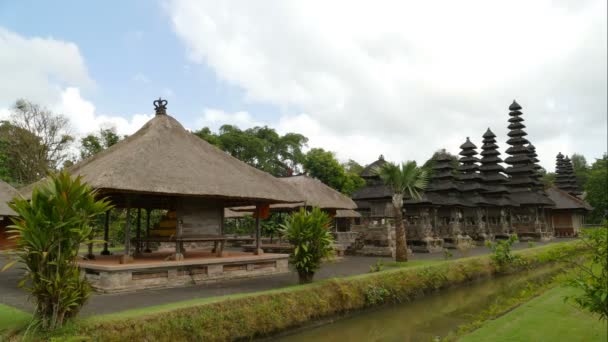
<point x="310" y="235"/>
<point x="592" y="277"/>
<point x="501" y="251"/>
<point x="49" y="231"/>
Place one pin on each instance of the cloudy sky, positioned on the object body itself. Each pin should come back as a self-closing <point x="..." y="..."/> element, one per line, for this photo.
<point x="397" y="78"/>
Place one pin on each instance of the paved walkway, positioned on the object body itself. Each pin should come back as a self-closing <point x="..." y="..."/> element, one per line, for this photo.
<point x="108" y="303"/>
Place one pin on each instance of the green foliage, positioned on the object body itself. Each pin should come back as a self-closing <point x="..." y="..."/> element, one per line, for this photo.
<point x="447" y="254"/>
<point x="501" y="252"/>
<point x="406" y="179"/>
<point x="95" y="143"/>
<point x="597" y="190"/>
<point x="49" y="231"/>
<point x="260" y="147"/>
<point x="377" y="267"/>
<point x="592" y="277"/>
<point x="247" y="316"/>
<point x="375" y="295"/>
<point x="38" y="142"/>
<point x="531" y="244"/>
<point x="309" y="233"/>
<point x="324" y="166"/>
<point x="428" y="165"/>
<point x="581" y="168"/>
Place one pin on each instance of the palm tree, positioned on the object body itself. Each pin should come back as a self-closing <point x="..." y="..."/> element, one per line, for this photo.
<point x="405" y="179"/>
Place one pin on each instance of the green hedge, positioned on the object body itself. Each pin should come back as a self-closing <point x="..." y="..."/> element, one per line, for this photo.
<point x="264" y="313"/>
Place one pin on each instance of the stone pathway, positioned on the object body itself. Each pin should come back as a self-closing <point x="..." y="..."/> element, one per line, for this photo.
<point x="108" y="303"/>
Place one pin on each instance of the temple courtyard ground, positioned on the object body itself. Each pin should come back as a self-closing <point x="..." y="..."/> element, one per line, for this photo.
<point x="109" y="303"/>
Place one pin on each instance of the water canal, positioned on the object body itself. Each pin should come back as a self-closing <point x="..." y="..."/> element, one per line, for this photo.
<point x="426" y="318"/>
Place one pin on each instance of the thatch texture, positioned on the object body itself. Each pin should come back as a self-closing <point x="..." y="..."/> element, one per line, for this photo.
<point x="162" y="158"/>
<point x="7" y="193"/>
<point x="231" y="214"/>
<point x="347" y="213"/>
<point x="314" y="193"/>
<point x="565" y="201"/>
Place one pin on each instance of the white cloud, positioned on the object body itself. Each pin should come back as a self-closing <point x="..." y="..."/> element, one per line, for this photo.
<point x="84" y="118"/>
<point x="405" y="79"/>
<point x="38" y="68"/>
<point x="52" y="73"/>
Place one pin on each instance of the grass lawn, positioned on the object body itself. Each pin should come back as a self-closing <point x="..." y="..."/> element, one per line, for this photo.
<point x="11" y="319"/>
<point x="544" y="318"/>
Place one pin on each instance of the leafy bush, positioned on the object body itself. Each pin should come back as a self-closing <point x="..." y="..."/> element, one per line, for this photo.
<point x="375" y="295"/>
<point x="309" y="233"/>
<point x="501" y="251"/>
<point x="49" y="232"/>
<point x="377" y="267"/>
<point x="592" y="277"/>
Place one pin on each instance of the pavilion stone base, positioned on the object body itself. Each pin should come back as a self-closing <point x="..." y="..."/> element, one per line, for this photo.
<point x="427" y="245"/>
<point x="132" y="277"/>
<point x="458" y="242"/>
<point x="482" y="239"/>
<point x="535" y="236"/>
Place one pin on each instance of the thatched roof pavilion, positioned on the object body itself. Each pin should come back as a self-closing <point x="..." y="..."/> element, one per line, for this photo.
<point x="164" y="166"/>
<point x="314" y="194"/>
<point x="7" y="193"/>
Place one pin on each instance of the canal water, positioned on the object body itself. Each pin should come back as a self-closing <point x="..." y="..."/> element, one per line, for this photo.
<point x="423" y="319"/>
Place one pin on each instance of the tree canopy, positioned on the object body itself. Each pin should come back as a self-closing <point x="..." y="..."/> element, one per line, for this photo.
<point x="597" y="190"/>
<point x="95" y="143"/>
<point x="324" y="166"/>
<point x="260" y="147"/>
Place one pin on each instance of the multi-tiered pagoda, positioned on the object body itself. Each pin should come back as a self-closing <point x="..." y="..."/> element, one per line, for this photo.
<point x="565" y="179"/>
<point x="471" y="188"/>
<point x="480" y="197"/>
<point x="494" y="180"/>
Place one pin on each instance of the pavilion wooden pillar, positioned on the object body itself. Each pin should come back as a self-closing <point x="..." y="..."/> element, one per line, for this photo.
<point x="106" y="234"/>
<point x="126" y="258"/>
<point x="148" y="211"/>
<point x="258" y="247"/>
<point x="138" y="233"/>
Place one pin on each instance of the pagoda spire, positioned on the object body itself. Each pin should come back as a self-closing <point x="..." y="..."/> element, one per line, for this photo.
<point x="492" y="172"/>
<point x="537" y="168"/>
<point x="521" y="169"/>
<point x="470" y="177"/>
<point x="443" y="188"/>
<point x="569" y="177"/>
<point x="564" y="174"/>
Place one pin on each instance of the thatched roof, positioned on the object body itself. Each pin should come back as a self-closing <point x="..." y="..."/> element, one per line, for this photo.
<point x="163" y="158"/>
<point x="314" y="193"/>
<point x="229" y="213"/>
<point x="346" y="213"/>
<point x="565" y="201"/>
<point x="7" y="193"/>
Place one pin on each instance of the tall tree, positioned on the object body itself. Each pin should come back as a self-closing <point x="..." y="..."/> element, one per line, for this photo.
<point x="407" y="179"/>
<point x="581" y="168"/>
<point x="33" y="142"/>
<point x="597" y="190"/>
<point x="324" y="166"/>
<point x="52" y="129"/>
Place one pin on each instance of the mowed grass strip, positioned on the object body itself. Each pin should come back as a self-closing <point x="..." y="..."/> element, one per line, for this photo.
<point x="544" y="318"/>
<point x="12" y="319"/>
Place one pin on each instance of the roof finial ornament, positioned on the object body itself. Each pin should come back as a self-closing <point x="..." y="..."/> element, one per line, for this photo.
<point x="160" y="106"/>
<point x="381" y="157"/>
